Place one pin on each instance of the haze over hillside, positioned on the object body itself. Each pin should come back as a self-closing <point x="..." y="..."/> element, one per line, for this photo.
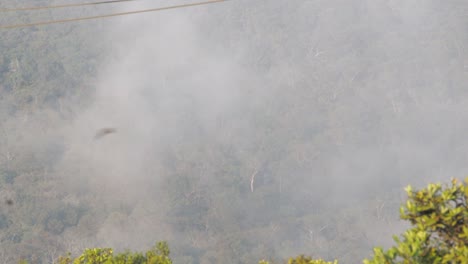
<point x="245" y="129"/>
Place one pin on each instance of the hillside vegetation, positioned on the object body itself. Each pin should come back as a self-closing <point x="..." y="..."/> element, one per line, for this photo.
<point x="244" y="130"/>
<point x="439" y="216"/>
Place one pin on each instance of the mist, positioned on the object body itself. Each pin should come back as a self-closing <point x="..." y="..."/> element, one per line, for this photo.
<point x="259" y="129"/>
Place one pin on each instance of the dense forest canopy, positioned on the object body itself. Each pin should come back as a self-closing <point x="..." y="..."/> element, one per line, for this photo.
<point x="245" y="129"/>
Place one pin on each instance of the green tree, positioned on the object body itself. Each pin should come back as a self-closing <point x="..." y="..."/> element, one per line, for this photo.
<point x="303" y="260"/>
<point x="439" y="215"/>
<point x="159" y="254"/>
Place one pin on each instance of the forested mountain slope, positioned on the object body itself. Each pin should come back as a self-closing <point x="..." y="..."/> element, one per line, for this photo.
<point x="245" y="130"/>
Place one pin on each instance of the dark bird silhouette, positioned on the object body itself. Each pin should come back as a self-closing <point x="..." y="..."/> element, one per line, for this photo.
<point x="9" y="202"/>
<point x="104" y="131"/>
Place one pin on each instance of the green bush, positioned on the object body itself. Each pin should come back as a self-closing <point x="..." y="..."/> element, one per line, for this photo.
<point x="439" y="216"/>
<point x="303" y="260"/>
<point x="159" y="254"/>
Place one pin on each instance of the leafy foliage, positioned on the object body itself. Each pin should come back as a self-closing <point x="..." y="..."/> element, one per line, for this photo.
<point x="440" y="227"/>
<point x="159" y="254"/>
<point x="303" y="260"/>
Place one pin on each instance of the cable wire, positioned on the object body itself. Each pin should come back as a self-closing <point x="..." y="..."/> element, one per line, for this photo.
<point x="61" y="6"/>
<point x="111" y="15"/>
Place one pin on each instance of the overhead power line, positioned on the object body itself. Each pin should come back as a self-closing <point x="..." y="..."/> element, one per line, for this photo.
<point x="111" y="15"/>
<point x="31" y="8"/>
